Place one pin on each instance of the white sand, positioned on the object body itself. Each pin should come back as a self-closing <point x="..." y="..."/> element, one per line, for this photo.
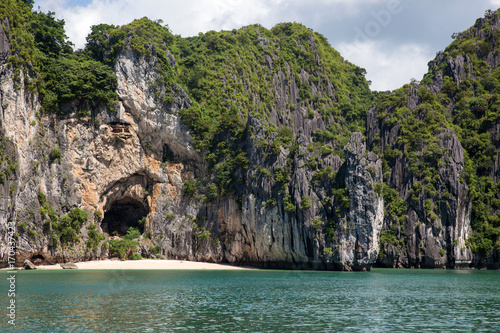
<point x="148" y="264"/>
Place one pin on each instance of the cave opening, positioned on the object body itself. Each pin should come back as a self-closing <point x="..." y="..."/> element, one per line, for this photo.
<point x="168" y="154"/>
<point x="123" y="214"/>
<point x="37" y="259"/>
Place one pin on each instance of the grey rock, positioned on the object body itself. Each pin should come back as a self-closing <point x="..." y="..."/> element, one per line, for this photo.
<point x="29" y="265"/>
<point x="269" y="62"/>
<point x="141" y="155"/>
<point x="264" y="42"/>
<point x="495" y="138"/>
<point x="171" y="59"/>
<point x="372" y="126"/>
<point x="493" y="60"/>
<point x="69" y="265"/>
<point x="457" y="68"/>
<point x="437" y="84"/>
<point x="359" y="243"/>
<point x="314" y="48"/>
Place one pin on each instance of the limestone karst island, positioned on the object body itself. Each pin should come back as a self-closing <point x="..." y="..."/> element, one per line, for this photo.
<point x="254" y="147"/>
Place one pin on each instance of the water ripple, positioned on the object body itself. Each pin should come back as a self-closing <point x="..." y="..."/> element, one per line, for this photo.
<point x="258" y="301"/>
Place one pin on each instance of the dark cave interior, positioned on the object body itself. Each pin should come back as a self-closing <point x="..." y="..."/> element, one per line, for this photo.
<point x="123" y="214"/>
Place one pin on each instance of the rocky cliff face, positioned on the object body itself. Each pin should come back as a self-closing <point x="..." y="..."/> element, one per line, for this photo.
<point x="125" y="164"/>
<point x="135" y="160"/>
<point x="308" y="190"/>
<point x="440" y="174"/>
<point x="360" y="240"/>
<point x="436" y="224"/>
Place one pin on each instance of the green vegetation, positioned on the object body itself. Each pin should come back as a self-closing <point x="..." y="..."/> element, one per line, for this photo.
<point x="201" y="233"/>
<point x="132" y="233"/>
<point x="230" y="77"/>
<point x="476" y="108"/>
<point x="39" y="43"/>
<point x="289" y="206"/>
<point x="223" y="90"/>
<point x="389" y="237"/>
<point x="271" y="202"/>
<point x="75" y="77"/>
<point x="155" y="249"/>
<point x="281" y="176"/>
<point x="55" y="154"/>
<point x="123" y="249"/>
<point x="342" y="198"/>
<point x="330" y="229"/>
<point x="306" y="202"/>
<point x="67" y="228"/>
<point x="97" y="216"/>
<point x="325" y="174"/>
<point x="190" y="187"/>
<point x="8" y="166"/>
<point x="20" y="36"/>
<point x="317" y="224"/>
<point x="135" y="256"/>
<point x="469" y="107"/>
<point x="95" y="237"/>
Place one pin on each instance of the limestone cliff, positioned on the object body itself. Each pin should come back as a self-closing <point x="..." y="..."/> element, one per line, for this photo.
<point x="132" y="162"/>
<point x="360" y="240"/>
<point x="246" y="147"/>
<point x="114" y="164"/>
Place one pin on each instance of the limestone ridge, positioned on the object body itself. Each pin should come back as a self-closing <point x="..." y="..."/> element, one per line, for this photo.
<point x="271" y="171"/>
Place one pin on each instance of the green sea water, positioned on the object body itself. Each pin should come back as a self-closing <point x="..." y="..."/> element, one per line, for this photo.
<point x="383" y="300"/>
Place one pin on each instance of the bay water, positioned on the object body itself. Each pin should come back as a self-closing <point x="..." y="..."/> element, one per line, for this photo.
<point x="383" y="300"/>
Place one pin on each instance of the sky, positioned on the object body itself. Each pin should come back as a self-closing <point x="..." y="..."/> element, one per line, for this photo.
<point x="392" y="39"/>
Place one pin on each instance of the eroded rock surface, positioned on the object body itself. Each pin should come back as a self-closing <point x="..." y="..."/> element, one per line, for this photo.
<point x="295" y="207"/>
<point x="360" y="241"/>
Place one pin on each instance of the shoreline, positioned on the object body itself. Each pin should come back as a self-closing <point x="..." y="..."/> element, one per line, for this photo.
<point x="173" y="264"/>
<point x="146" y="264"/>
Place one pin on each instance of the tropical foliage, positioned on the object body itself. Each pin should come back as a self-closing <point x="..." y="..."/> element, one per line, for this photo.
<point x="234" y="75"/>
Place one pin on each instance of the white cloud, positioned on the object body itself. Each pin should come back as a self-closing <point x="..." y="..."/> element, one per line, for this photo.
<point x="187" y="18"/>
<point x="388" y="67"/>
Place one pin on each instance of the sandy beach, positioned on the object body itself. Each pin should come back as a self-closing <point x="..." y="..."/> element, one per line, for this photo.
<point x="148" y="264"/>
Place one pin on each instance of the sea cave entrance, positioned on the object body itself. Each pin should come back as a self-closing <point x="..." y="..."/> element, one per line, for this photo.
<point x="123" y="214"/>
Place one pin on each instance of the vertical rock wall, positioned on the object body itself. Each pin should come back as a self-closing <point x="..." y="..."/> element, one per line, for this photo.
<point x="142" y="153"/>
<point x="359" y="243"/>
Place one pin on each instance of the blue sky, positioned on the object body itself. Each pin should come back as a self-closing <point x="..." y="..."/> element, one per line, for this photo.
<point x="393" y="40"/>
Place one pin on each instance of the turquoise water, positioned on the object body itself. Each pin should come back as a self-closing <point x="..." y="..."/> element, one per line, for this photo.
<point x="383" y="300"/>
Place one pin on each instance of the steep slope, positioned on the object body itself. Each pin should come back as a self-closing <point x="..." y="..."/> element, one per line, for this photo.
<point x="270" y="126"/>
<point x="69" y="158"/>
<point x="440" y="144"/>
<point x="250" y="146"/>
